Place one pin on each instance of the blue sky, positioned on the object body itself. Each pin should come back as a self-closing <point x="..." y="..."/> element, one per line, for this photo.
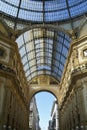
<point x="44" y="102"/>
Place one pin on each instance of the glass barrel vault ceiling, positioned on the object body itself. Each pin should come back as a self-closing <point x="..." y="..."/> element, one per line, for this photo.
<point x="43" y="10"/>
<point x="43" y="51"/>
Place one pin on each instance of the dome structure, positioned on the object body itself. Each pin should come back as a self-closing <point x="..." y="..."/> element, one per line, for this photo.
<point x="43" y="10"/>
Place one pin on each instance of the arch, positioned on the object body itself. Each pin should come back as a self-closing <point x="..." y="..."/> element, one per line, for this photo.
<point x="51" y="77"/>
<point x="35" y="89"/>
<point x="49" y="26"/>
<point x="49" y="91"/>
<point x="52" y="106"/>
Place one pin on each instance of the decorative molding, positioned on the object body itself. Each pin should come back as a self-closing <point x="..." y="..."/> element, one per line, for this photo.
<point x="3" y="53"/>
<point x="5" y="68"/>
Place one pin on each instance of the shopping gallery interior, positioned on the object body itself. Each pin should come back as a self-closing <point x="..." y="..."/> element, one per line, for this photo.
<point x="43" y="47"/>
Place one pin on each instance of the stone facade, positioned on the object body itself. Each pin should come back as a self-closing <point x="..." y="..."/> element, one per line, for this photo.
<point x="34" y="115"/>
<point x="73" y="93"/>
<point x="14" y="91"/>
<point x="54" y="117"/>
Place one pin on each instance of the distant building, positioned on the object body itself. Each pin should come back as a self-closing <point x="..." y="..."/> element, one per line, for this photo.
<point x="50" y="125"/>
<point x="34" y="116"/>
<point x="54" y="122"/>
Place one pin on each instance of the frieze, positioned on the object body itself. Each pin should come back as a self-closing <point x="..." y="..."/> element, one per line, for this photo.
<point x="79" y="68"/>
<point x="5" y="68"/>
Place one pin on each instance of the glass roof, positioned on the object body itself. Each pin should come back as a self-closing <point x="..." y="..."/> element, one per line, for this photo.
<point x="43" y="51"/>
<point x="43" y="10"/>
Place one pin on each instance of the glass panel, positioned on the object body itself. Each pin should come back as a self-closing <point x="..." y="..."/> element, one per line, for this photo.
<point x="20" y="41"/>
<point x="28" y="36"/>
<point x="11" y="10"/>
<point x="59" y="72"/>
<point x="38" y="61"/>
<point x="60" y="39"/>
<point x="33" y="62"/>
<point x="50" y="34"/>
<point x="31" y="55"/>
<point x="24" y="60"/>
<point x="59" y="15"/>
<point x="22" y="51"/>
<point x="59" y="47"/>
<point x="30" y="15"/>
<point x="57" y="5"/>
<point x="66" y="43"/>
<point x="14" y="2"/>
<point x="26" y="67"/>
<point x="33" y="69"/>
<point x="78" y="10"/>
<point x="27" y="73"/>
<point x="61" y="67"/>
<point x="74" y="2"/>
<point x="32" y="5"/>
<point x="63" y="59"/>
<point x="30" y="46"/>
<point x="64" y="51"/>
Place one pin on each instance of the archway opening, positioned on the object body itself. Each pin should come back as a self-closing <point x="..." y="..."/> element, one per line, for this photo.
<point x="44" y="112"/>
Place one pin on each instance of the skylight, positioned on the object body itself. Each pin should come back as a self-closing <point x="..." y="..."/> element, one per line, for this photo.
<point x="43" y="11"/>
<point x="43" y="51"/>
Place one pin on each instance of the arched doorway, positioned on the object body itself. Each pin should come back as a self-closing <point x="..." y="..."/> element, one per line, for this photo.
<point x="44" y="113"/>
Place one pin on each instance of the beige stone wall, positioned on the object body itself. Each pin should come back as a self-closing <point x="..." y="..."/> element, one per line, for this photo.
<point x="13" y="111"/>
<point x="73" y="90"/>
<point x="73" y="111"/>
<point x="14" y="90"/>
